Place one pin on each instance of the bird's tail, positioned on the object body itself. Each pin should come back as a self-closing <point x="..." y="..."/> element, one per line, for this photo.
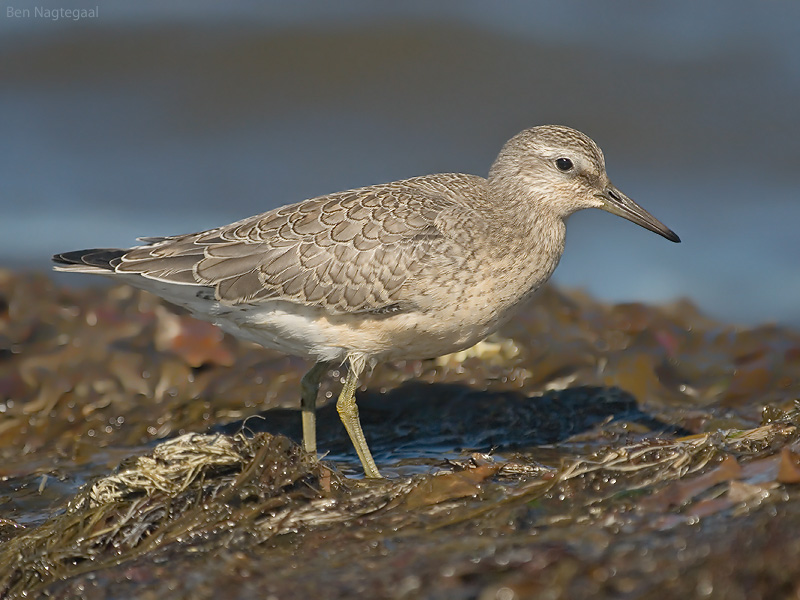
<point x="93" y="260"/>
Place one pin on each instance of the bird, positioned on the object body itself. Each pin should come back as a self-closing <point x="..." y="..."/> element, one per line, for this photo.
<point x="411" y="269"/>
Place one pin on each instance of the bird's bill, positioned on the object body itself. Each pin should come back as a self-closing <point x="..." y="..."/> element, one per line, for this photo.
<point x="619" y="204"/>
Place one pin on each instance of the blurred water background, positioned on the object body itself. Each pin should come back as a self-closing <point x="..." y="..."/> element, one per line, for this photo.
<point x="155" y="118"/>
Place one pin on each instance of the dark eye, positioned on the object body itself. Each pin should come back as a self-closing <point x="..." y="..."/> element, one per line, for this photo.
<point x="564" y="164"/>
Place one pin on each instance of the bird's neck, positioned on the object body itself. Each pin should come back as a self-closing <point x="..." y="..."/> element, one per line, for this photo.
<point x="524" y="219"/>
<point x="532" y="236"/>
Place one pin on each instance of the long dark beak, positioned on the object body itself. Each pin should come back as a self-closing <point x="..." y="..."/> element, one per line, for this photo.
<point x="619" y="204"/>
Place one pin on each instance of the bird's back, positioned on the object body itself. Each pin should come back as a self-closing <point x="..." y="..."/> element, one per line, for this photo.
<point x="348" y="252"/>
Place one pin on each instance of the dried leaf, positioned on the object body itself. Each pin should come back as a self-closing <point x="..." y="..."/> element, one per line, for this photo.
<point x="451" y="486"/>
<point x="789" y="468"/>
<point x="196" y="342"/>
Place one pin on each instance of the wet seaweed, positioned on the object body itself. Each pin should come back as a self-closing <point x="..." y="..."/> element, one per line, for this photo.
<point x="586" y="450"/>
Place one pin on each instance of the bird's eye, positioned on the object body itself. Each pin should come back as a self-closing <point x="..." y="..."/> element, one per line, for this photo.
<point x="564" y="164"/>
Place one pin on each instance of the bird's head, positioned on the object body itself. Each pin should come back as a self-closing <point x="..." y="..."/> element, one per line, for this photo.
<point x="564" y="171"/>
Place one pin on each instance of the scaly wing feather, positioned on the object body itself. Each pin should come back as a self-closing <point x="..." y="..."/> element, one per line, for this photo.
<point x="346" y="252"/>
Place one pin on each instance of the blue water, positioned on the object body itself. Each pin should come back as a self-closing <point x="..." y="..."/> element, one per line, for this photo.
<point x="153" y="119"/>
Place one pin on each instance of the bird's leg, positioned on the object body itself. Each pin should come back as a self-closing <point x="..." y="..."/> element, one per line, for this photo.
<point x="308" y="404"/>
<point x="348" y="411"/>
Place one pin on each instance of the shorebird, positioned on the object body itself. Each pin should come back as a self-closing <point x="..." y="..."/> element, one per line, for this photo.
<point x="411" y="269"/>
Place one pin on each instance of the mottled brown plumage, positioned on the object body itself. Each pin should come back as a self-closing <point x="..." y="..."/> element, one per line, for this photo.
<point x="409" y="269"/>
<point x="349" y="252"/>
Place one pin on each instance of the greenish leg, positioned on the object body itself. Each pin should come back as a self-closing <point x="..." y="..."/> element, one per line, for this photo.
<point x="348" y="412"/>
<point x="308" y="404"/>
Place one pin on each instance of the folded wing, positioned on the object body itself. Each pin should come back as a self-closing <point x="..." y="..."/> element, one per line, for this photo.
<point x="346" y="252"/>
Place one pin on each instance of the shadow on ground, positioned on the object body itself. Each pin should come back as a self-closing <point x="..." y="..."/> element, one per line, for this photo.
<point x="417" y="421"/>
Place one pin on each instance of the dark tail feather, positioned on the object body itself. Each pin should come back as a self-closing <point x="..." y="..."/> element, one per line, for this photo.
<point x="94" y="258"/>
